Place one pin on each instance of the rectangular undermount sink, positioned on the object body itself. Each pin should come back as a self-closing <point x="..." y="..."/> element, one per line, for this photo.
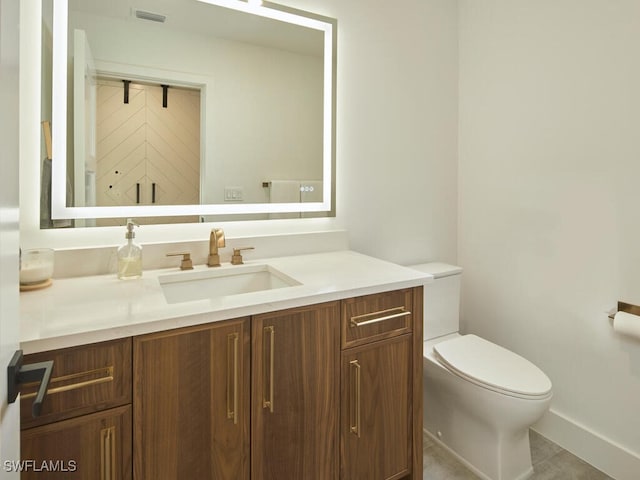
<point x="219" y="282"/>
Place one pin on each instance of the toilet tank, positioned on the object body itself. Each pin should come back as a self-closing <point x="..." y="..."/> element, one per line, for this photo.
<point x="441" y="299"/>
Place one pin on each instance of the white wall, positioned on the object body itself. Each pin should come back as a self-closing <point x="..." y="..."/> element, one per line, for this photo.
<point x="396" y="125"/>
<point x="549" y="160"/>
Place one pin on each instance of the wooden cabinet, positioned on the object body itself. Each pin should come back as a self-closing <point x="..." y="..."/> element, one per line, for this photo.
<point x="191" y="403"/>
<point x="89" y="447"/>
<point x="84" y="431"/>
<point x="319" y="392"/>
<point x="376" y="317"/>
<point x="84" y="380"/>
<point x="381" y="386"/>
<point x="376" y="424"/>
<point x="295" y="404"/>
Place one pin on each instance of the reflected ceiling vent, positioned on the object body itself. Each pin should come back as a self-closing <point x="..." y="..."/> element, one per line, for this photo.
<point x="153" y="17"/>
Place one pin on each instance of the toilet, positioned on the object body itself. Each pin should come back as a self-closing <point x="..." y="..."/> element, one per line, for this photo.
<point x="479" y="398"/>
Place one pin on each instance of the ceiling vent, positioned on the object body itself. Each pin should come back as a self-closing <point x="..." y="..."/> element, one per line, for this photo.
<point x="153" y="17"/>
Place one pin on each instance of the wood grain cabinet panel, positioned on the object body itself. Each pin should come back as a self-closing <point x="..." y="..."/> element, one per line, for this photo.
<point x="191" y="403"/>
<point x="89" y="447"/>
<point x="295" y="404"/>
<point x="376" y="424"/>
<point x="84" y="431"/>
<point x="381" y="386"/>
<point x="84" y="380"/>
<point x="376" y="317"/>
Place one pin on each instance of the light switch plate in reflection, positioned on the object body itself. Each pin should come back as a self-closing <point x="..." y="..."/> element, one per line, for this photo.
<point x="233" y="194"/>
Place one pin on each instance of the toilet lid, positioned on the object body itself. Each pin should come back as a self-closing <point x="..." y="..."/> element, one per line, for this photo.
<point x="492" y="366"/>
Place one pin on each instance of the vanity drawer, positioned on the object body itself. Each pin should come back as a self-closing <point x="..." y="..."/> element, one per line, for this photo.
<point x="84" y="380"/>
<point x="376" y="317"/>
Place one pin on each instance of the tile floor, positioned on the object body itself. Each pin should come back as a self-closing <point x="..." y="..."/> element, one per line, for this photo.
<point x="550" y="462"/>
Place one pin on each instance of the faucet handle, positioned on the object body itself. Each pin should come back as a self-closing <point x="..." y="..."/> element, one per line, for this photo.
<point x="186" y="263"/>
<point x="236" y="258"/>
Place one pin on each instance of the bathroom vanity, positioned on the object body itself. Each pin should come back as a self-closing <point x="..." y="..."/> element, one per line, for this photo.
<point x="317" y="379"/>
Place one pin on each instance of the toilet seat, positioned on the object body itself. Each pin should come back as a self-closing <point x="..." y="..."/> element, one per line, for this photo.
<point x="493" y="367"/>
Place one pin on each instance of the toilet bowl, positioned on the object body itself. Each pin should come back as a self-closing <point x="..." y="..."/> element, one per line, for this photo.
<point x="479" y="398"/>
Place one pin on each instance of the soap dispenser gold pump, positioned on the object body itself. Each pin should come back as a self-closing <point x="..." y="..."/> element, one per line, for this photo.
<point x="130" y="255"/>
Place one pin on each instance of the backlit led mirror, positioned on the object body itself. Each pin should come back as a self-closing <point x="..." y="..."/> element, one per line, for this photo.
<point x="189" y="109"/>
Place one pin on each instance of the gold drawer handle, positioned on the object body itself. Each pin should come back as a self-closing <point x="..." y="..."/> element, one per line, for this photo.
<point x="389" y="314"/>
<point x="272" y="333"/>
<point x="108" y="453"/>
<point x="107" y="373"/>
<point x="232" y="377"/>
<point x="355" y="425"/>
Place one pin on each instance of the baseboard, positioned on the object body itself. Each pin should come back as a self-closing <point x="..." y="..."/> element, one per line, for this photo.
<point x="604" y="454"/>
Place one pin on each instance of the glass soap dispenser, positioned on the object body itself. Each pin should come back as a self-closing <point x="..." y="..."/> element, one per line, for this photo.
<point x="130" y="255"/>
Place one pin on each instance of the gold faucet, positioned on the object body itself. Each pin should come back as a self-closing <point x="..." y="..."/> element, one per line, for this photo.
<point x="216" y="240"/>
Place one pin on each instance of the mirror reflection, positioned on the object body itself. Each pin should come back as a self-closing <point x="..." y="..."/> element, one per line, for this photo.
<point x="182" y="102"/>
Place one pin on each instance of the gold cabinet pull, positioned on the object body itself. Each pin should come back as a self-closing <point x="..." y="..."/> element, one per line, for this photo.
<point x="369" y="318"/>
<point x="355" y="424"/>
<point x="268" y="374"/>
<point x="232" y="377"/>
<point x="108" y="453"/>
<point x="106" y="375"/>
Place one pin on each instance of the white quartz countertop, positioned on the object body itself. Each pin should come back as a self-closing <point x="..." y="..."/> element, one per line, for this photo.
<point x="82" y="310"/>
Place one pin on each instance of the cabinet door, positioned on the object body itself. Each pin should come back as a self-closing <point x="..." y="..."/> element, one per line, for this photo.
<point x="375" y="317"/>
<point x="191" y="403"/>
<point x="376" y="423"/>
<point x="295" y="404"/>
<point x="91" y="447"/>
<point x="85" y="379"/>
